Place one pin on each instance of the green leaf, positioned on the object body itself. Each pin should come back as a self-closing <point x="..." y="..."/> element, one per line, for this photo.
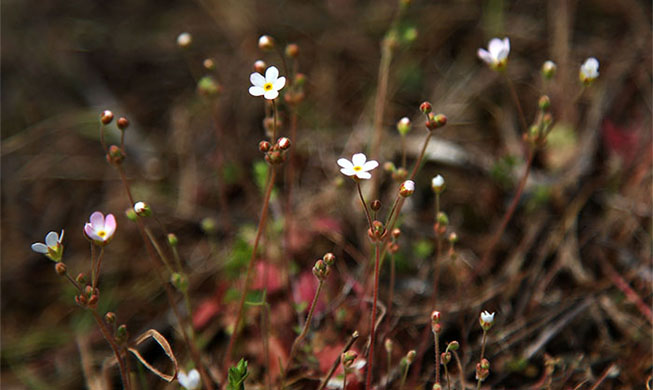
<point x="237" y="375"/>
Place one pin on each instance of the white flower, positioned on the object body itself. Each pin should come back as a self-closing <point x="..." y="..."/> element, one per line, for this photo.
<point x="407" y="188"/>
<point x="52" y="248"/>
<point x="497" y="56"/>
<point x="100" y="230"/>
<point x="487" y="320"/>
<point x="184" y="39"/>
<point x="268" y="86"/>
<point x="437" y="183"/>
<point x="142" y="209"/>
<point x="191" y="381"/>
<point x="358" y="167"/>
<point x="589" y="71"/>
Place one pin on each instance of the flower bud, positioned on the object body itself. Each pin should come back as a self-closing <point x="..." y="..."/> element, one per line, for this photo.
<point x="184" y="40"/>
<point x="92" y="301"/>
<point x="284" y="143"/>
<point x="60" y="268"/>
<point x="377" y="232"/>
<point x="260" y="66"/>
<point x="407" y="188"/>
<point x="179" y="281"/>
<point x="437" y="183"/>
<point x="486" y="320"/>
<point x="400" y="174"/>
<point x="208" y="64"/>
<point x="437" y="386"/>
<point x="106" y="117"/>
<point x="208" y="225"/>
<point x="388" y="345"/>
<point x="122" y="123"/>
<point x="121" y="333"/>
<point x="547" y="119"/>
<point x="320" y="270"/>
<point x="292" y="50"/>
<point x="440" y="120"/>
<point x="404" y="125"/>
<point x="453" y="238"/>
<point x="445" y="358"/>
<point x="376" y="205"/>
<point x="329" y="259"/>
<point x="544" y="103"/>
<point x="142" y="209"/>
<point x="389" y="166"/>
<point x="425" y="107"/>
<point x="393" y="247"/>
<point x="172" y="239"/>
<point x="485" y="364"/>
<point x="207" y="86"/>
<point x="110" y="318"/>
<point x="131" y="214"/>
<point x="443" y="220"/>
<point x="435" y="317"/>
<point x="410" y="356"/>
<point x="81" y="279"/>
<point x="453" y="346"/>
<point x="396" y="232"/>
<point x="115" y="155"/>
<point x="266" y="43"/>
<point x="264" y="146"/>
<point x="348" y="358"/>
<point x="549" y="69"/>
<point x="300" y="79"/>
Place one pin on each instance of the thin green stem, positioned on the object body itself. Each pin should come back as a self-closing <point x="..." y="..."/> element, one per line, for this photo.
<point x="446" y="375"/>
<point x="461" y="374"/>
<point x="404" y="376"/>
<point x="304" y="331"/>
<point x="370" y="359"/>
<point x="367" y="211"/>
<point x="274" y="121"/>
<point x="344" y="379"/>
<point x="403" y="151"/>
<point x="250" y="267"/>
<point x="124" y="373"/>
<point x="93" y="265"/>
<point x="158" y="249"/>
<point x="483" y="344"/>
<point x="97" y="266"/>
<point x="515" y="98"/>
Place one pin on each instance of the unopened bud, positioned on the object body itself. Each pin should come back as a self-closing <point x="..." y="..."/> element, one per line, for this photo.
<point x="348" y="358"/>
<point x="400" y="174"/>
<point x="81" y="279"/>
<point x="284" y="143"/>
<point x="440" y="120"/>
<point x="121" y="333"/>
<point x="106" y="117"/>
<point x="547" y="119"/>
<point x="437" y="386"/>
<point x="410" y="356"/>
<point x="435" y="317"/>
<point x="404" y="125"/>
<point x="445" y="358"/>
<point x="407" y="188"/>
<point x="485" y="364"/>
<point x="544" y="103"/>
<point x="92" y="301"/>
<point x="376" y="205"/>
<point x="142" y="209"/>
<point x="110" y="317"/>
<point x="453" y="237"/>
<point x="208" y="64"/>
<point x="184" y="39"/>
<point x="60" y="268"/>
<point x="443" y="220"/>
<point x="389" y="166"/>
<point x="115" y="155"/>
<point x="208" y="225"/>
<point x="172" y="239"/>
<point x="549" y="69"/>
<point x="207" y="86"/>
<point x="425" y="107"/>
<point x="329" y="259"/>
<point x="122" y="123"/>
<point x="300" y="79"/>
<point x="266" y="42"/>
<point x="396" y="232"/>
<point x="131" y="214"/>
<point x="264" y="146"/>
<point x="320" y="270"/>
<point x="179" y="281"/>
<point x="292" y="50"/>
<point x="388" y="345"/>
<point x="437" y="184"/>
<point x="260" y="66"/>
<point x="486" y="320"/>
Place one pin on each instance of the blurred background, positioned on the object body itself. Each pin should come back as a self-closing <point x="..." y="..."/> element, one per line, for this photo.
<point x="572" y="276"/>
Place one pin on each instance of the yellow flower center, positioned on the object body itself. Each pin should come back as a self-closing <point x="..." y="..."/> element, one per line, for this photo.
<point x="101" y="233"/>
<point x="267" y="87"/>
<point x="358" y="168"/>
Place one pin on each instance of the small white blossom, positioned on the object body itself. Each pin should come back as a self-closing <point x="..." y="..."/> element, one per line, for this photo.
<point x="191" y="381"/>
<point x="407" y="188"/>
<point x="549" y="69"/>
<point x="487" y="320"/>
<point x="268" y="86"/>
<point x="358" y="167"/>
<point x="497" y="54"/>
<point x="437" y="183"/>
<point x="100" y="229"/>
<point x="589" y="71"/>
<point x="52" y="249"/>
<point x="184" y="39"/>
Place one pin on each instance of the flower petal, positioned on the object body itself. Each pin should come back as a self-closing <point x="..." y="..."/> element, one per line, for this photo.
<point x="495" y="47"/>
<point x="51" y="239"/>
<point x="39" y="247"/>
<point x="348" y="171"/>
<point x="90" y="232"/>
<point x="194" y="378"/>
<point x="368" y="166"/>
<point x="506" y="44"/>
<point x="256" y="91"/>
<point x="183" y="379"/>
<point x="110" y="225"/>
<point x="97" y="220"/>
<point x="343" y="162"/>
<point x="358" y="159"/>
<point x="485" y="56"/>
<point x="271" y="94"/>
<point x="271" y="74"/>
<point x="279" y="83"/>
<point x="257" y="79"/>
<point x="363" y="175"/>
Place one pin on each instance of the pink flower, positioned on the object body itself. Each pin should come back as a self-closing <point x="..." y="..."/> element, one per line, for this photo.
<point x="100" y="229"/>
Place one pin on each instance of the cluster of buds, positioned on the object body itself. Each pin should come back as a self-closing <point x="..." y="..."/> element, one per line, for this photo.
<point x="445" y="357"/>
<point x="538" y="132"/>
<point x="115" y="155"/>
<point x="377" y="232"/>
<point x="482" y="370"/>
<point x="433" y="121"/>
<point x="393" y="246"/>
<point x="435" y="322"/>
<point x="322" y="267"/>
<point x="120" y="333"/>
<point x="88" y="297"/>
<point x="275" y="154"/>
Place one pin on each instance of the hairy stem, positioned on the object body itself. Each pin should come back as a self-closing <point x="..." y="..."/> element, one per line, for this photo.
<point x="370" y="359"/>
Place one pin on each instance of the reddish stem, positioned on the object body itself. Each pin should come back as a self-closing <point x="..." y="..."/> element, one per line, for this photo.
<point x="370" y="357"/>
